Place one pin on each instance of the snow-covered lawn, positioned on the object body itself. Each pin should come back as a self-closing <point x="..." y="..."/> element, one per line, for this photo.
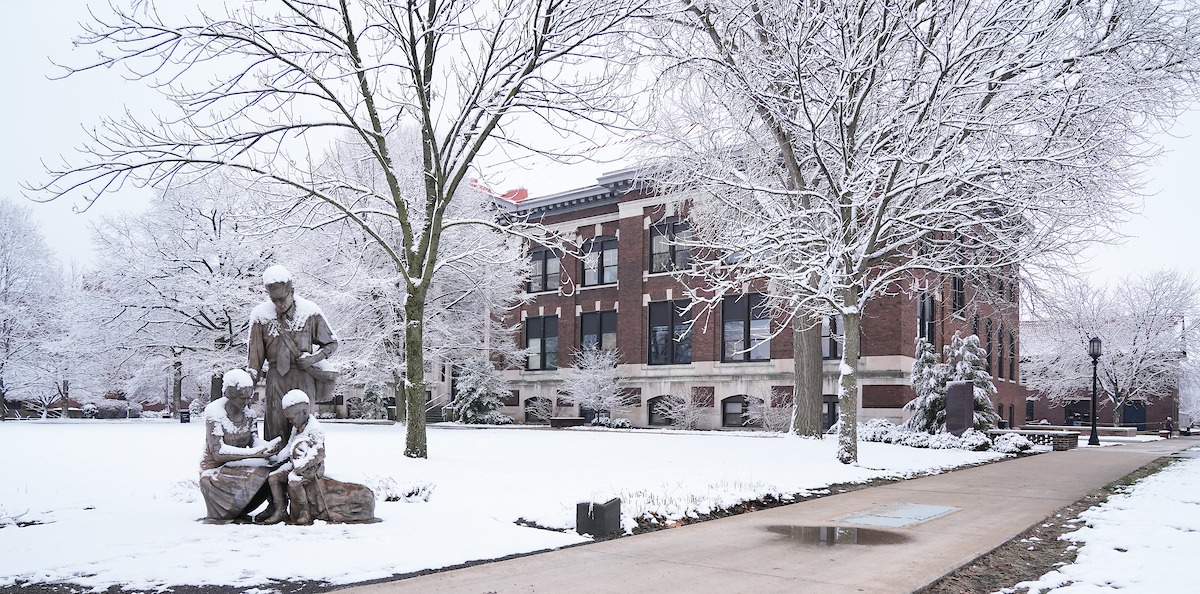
<point x="1143" y="540"/>
<point x="117" y="502"/>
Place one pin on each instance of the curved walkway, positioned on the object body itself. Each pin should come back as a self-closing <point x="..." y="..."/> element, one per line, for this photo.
<point x="980" y="508"/>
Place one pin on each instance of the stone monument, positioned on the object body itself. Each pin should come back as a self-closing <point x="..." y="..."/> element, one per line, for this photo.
<point x="960" y="407"/>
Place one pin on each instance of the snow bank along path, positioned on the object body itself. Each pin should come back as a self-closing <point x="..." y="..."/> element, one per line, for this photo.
<point x="1142" y="540"/>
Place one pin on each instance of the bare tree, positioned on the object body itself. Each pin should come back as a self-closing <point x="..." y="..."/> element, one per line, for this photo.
<point x="682" y="412"/>
<point x="594" y="383"/>
<point x="840" y="151"/>
<point x="1142" y="323"/>
<point x="29" y="290"/>
<point x="177" y="283"/>
<point x="259" y="85"/>
<point x="762" y="412"/>
<point x="1189" y="391"/>
<point x="544" y="409"/>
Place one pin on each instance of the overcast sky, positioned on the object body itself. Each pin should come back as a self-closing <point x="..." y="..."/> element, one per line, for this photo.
<point x="43" y="120"/>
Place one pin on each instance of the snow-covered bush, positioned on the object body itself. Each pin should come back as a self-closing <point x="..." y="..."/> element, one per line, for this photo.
<point x="683" y="413"/>
<point x="184" y="491"/>
<point x="373" y="405"/>
<point x="913" y="439"/>
<point x="387" y="488"/>
<point x="759" y="412"/>
<point x="883" y="431"/>
<point x="975" y="440"/>
<point x="196" y="406"/>
<point x="117" y="409"/>
<point x="478" y="391"/>
<point x="878" y="430"/>
<point x="944" y="441"/>
<point x="963" y="362"/>
<point x="611" y="423"/>
<point x="90" y="411"/>
<point x="1011" y="443"/>
<point x="495" y="418"/>
<point x="594" y="382"/>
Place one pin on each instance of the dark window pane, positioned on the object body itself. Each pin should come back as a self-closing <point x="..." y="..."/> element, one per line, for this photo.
<point x="591" y="261"/>
<point x="732" y="411"/>
<point x="552" y="268"/>
<point x="660" y="337"/>
<point x="610" y="261"/>
<point x="551" y="352"/>
<point x="732" y="340"/>
<point x="760" y="340"/>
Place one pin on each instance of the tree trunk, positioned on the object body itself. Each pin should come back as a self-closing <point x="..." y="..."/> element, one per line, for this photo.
<point x="847" y="452"/>
<point x="66" y="399"/>
<point x="216" y="387"/>
<point x="415" y="444"/>
<point x="176" y="382"/>
<point x="806" y="354"/>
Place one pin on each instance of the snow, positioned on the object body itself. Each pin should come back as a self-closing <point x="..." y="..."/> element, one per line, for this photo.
<point x="118" y="502"/>
<point x="1141" y="540"/>
<point x="294" y="397"/>
<point x="264" y="313"/>
<point x="275" y="275"/>
<point x="237" y="378"/>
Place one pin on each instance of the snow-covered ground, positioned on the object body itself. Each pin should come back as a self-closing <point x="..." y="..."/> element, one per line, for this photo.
<point x="1142" y="540"/>
<point x="117" y="503"/>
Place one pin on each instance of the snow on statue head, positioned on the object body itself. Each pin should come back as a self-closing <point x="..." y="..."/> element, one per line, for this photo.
<point x="236" y="378"/>
<point x="276" y="275"/>
<point x="294" y="398"/>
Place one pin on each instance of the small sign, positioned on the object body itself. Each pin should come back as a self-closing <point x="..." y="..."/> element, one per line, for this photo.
<point x="185" y="416"/>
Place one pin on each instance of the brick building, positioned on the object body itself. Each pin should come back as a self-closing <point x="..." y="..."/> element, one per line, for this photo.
<point x="1145" y="415"/>
<point x="623" y="293"/>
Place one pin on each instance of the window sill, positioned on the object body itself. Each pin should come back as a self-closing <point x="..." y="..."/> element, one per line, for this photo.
<point x="590" y="287"/>
<point x="648" y="274"/>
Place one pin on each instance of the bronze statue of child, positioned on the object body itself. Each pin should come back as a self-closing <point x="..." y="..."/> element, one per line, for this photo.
<point x="305" y="455"/>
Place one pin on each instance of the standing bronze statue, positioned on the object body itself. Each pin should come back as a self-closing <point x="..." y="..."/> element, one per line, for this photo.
<point x="290" y="336"/>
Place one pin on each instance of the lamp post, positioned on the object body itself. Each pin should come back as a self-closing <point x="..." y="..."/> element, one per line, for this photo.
<point x="1094" y="353"/>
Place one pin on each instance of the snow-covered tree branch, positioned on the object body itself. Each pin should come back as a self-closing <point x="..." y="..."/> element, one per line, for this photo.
<point x="1144" y="325"/>
<point x="846" y="150"/>
<point x="262" y="88"/>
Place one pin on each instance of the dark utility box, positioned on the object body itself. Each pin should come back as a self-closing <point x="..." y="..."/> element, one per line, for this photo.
<point x="599" y="519"/>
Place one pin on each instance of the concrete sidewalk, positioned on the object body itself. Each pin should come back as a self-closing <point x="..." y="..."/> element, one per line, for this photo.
<point x="766" y="551"/>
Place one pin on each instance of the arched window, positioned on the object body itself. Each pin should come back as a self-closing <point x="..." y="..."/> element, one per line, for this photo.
<point x="538" y="410"/>
<point x="657" y="417"/>
<point x="733" y="411"/>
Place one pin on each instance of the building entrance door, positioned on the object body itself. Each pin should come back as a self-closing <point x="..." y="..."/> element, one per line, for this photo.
<point x="1134" y="413"/>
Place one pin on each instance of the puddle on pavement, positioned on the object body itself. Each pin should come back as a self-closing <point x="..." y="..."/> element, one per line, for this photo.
<point x="838" y="535"/>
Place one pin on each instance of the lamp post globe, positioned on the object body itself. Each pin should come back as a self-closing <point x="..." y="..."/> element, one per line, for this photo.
<point x="1094" y="350"/>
